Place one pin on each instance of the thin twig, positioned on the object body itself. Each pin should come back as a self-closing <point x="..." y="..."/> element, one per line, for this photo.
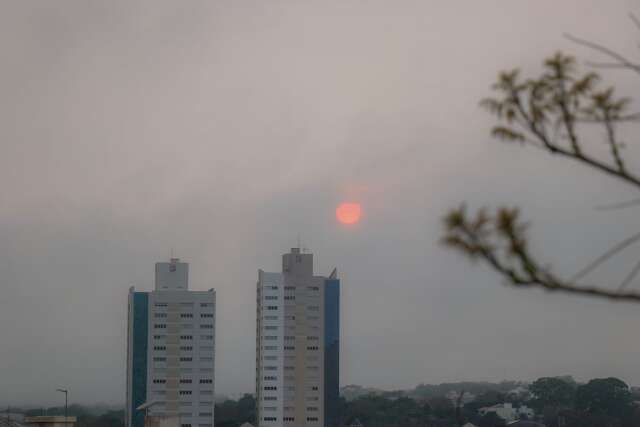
<point x="634" y="271"/>
<point x="602" y="49"/>
<point x="602" y="258"/>
<point x="621" y="205"/>
<point x="635" y="20"/>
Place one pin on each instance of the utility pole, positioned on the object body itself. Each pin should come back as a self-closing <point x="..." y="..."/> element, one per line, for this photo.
<point x="66" y="396"/>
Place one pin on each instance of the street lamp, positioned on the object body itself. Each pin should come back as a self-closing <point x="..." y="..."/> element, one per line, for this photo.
<point x="66" y="395"/>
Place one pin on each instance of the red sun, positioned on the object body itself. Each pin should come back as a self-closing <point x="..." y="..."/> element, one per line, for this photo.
<point x="349" y="213"/>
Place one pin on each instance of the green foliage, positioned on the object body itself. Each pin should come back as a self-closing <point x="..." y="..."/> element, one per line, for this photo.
<point x="491" y="420"/>
<point x="547" y="112"/>
<point x="608" y="396"/>
<point x="233" y="413"/>
<point x="553" y="392"/>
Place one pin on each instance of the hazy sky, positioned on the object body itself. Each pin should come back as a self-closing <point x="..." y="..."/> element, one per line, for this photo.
<point x="225" y="129"/>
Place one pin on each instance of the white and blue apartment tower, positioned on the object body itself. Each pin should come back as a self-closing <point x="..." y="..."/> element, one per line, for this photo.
<point x="297" y="345"/>
<point x="171" y="350"/>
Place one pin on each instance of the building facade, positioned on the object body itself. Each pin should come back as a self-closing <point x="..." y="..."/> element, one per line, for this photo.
<point x="171" y="350"/>
<point x="297" y="345"/>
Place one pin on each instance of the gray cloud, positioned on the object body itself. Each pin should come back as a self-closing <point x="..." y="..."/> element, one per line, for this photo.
<point x="225" y="129"/>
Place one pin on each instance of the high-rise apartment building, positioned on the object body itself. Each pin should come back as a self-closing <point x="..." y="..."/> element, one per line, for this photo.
<point x="171" y="350"/>
<point x="297" y="345"/>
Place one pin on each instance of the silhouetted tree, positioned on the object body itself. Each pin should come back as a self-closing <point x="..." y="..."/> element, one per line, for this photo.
<point x="551" y="113"/>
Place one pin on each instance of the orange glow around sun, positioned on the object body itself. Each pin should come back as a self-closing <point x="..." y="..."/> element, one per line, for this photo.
<point x="349" y="213"/>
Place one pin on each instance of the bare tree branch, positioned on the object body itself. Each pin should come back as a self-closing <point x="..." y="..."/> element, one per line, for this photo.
<point x="516" y="264"/>
<point x="605" y="256"/>
<point x="635" y="20"/>
<point x="634" y="271"/>
<point x="605" y="50"/>
<point x="620" y="205"/>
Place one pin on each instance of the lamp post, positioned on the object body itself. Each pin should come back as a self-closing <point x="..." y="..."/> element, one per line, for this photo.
<point x="66" y="395"/>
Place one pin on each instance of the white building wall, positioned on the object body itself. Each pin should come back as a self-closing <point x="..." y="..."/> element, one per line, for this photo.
<point x="295" y="339"/>
<point x="180" y="349"/>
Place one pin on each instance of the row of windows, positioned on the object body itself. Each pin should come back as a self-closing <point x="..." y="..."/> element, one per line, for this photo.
<point x="164" y="326"/>
<point x="186" y="337"/>
<point x="287" y="419"/>
<point x="182" y="359"/>
<point x="184" y="381"/>
<point x="184" y="304"/>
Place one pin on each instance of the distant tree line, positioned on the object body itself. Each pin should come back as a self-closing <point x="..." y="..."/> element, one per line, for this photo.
<point x="558" y="402"/>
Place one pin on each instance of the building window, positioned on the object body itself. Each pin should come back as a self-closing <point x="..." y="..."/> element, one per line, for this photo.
<point x="206" y="315"/>
<point x="186" y="381"/>
<point x="186" y="315"/>
<point x="159" y="347"/>
<point x="186" y="347"/>
<point x="312" y="418"/>
<point x="206" y="381"/>
<point x="186" y="337"/>
<point x="290" y="347"/>
<point x="270" y="387"/>
<point x="271" y="297"/>
<point x="160" y="315"/>
<point x="270" y="398"/>
<point x="206" y="337"/>
<point x="271" y="328"/>
<point x="288" y="419"/>
<point x="270" y="368"/>
<point x="270" y="419"/>
<point x="160" y="326"/>
<point x="159" y="381"/>
<point x="206" y="326"/>
<point x="270" y="337"/>
<point x="270" y="378"/>
<point x="186" y="359"/>
<point x="159" y="359"/>
<point x="312" y="348"/>
<point x="161" y="304"/>
<point x="185" y="392"/>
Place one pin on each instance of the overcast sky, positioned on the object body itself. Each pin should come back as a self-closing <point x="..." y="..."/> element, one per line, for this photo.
<point x="225" y="129"/>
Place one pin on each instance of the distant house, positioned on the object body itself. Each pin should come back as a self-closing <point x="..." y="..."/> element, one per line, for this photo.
<point x="508" y="412"/>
